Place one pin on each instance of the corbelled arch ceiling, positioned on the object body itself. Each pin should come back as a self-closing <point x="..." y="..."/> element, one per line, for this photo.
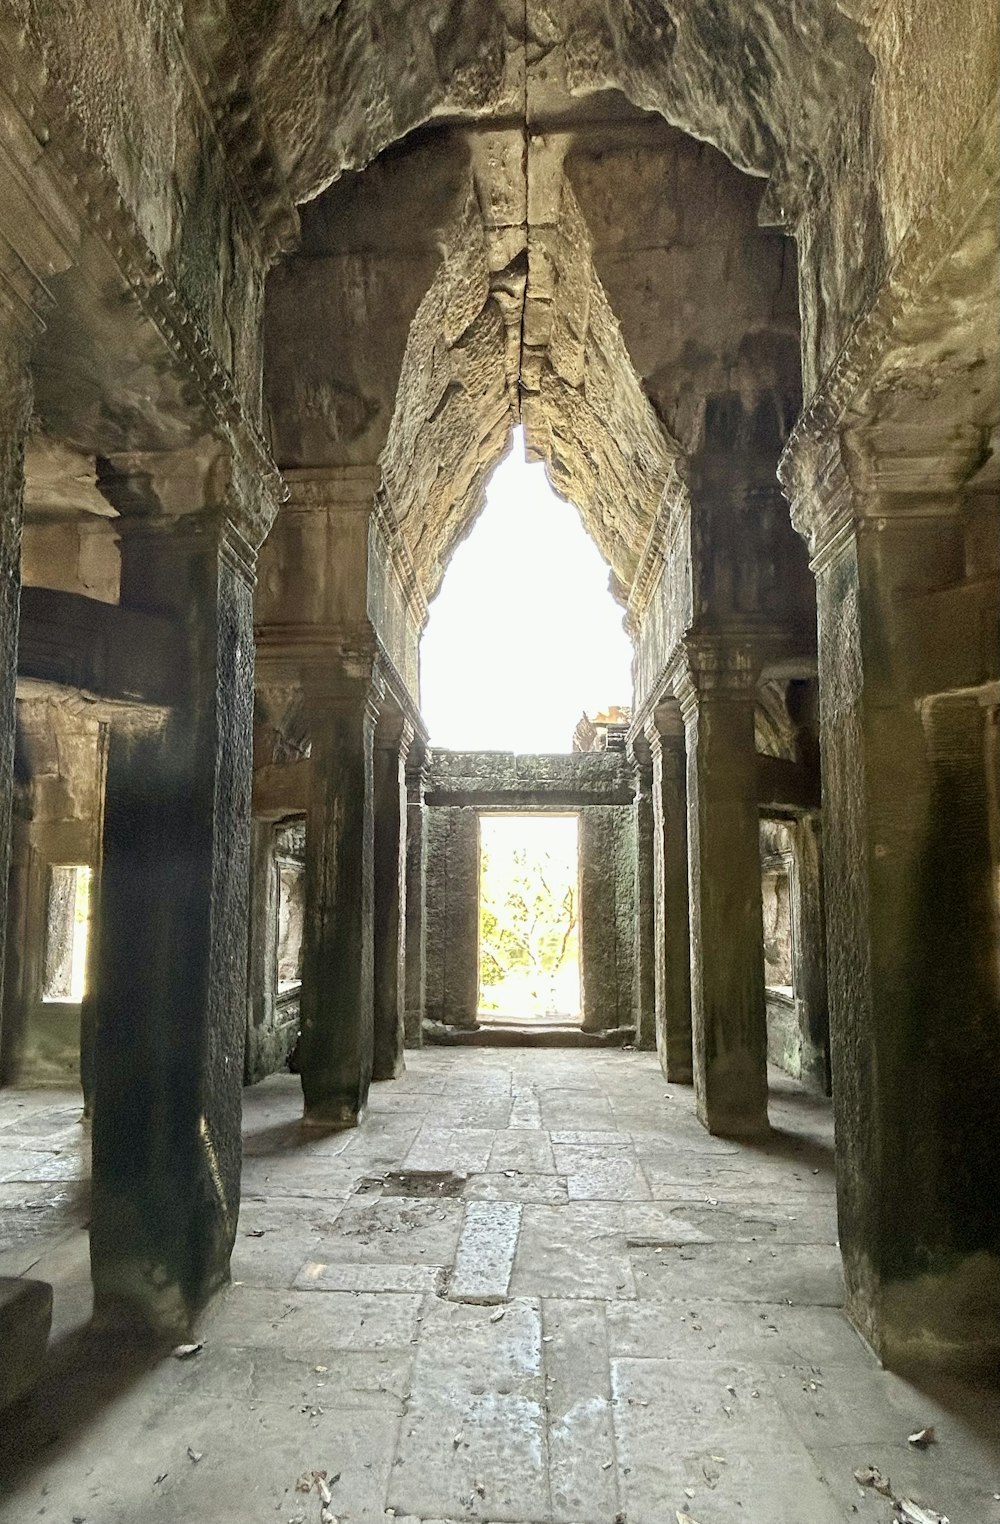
<point x="602" y="279"/>
<point x="338" y="81"/>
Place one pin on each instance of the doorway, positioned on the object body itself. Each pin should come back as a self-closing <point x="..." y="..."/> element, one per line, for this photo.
<point x="529" y="918"/>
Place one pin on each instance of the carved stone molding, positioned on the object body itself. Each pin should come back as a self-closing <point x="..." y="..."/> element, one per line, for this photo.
<point x="80" y="190"/>
<point x="674" y="502"/>
<point x="908" y="284"/>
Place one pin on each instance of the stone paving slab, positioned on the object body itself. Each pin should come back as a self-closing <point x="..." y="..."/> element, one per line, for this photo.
<point x="596" y="1389"/>
<point x="485" y="1255"/>
<point x="464" y="1150"/>
<point x="316" y="1275"/>
<point x="582" y="1472"/>
<point x="514" y="1185"/>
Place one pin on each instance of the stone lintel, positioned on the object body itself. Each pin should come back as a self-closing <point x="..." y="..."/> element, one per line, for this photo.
<point x="492" y="780"/>
<point x="281" y="789"/>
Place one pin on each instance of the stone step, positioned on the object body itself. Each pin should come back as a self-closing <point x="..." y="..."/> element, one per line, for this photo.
<point x="25" y="1321"/>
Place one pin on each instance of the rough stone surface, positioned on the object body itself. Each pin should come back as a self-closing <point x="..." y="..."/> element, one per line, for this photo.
<point x="686" y="247"/>
<point x="686" y="1353"/>
<point x="25" y="1319"/>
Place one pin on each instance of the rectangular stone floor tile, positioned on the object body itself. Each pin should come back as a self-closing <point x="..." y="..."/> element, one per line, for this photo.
<point x="472" y="1442"/>
<point x="597" y="1142"/>
<point x="484" y="1110"/>
<point x="796" y="1274"/>
<point x="751" y="1333"/>
<point x="525" y="1110"/>
<point x="381" y="1230"/>
<point x="297" y="1320"/>
<point x="573" y="1251"/>
<point x="466" y="1347"/>
<point x="582" y="1472"/>
<point x="529" y="1151"/>
<point x="485" y="1255"/>
<point x="543" y="1190"/>
<point x="593" y="1175"/>
<point x="718" y="1433"/>
<point x="563" y="1111"/>
<point x="316" y="1275"/>
<point x="464" y="1150"/>
<point x="480" y="1456"/>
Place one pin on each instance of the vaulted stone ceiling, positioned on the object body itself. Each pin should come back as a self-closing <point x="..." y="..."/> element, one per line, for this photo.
<point x="601" y="278"/>
<point x="338" y="81"/>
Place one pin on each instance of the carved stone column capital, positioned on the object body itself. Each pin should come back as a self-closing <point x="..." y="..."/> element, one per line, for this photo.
<point x="717" y="668"/>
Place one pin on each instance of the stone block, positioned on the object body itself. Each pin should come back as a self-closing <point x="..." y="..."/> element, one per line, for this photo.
<point x="25" y="1320"/>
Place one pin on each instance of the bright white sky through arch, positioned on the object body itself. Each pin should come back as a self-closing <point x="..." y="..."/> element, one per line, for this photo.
<point x="524" y="634"/>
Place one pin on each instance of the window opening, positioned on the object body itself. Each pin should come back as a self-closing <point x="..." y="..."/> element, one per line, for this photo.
<point x="291" y="907"/>
<point x="777" y="907"/>
<point x="67" y="932"/>
<point x="529" y="897"/>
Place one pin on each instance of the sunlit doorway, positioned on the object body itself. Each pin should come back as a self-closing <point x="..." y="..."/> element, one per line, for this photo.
<point x="529" y="918"/>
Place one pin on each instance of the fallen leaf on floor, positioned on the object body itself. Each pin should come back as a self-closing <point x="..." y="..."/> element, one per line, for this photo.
<point x="161" y="1478"/>
<point x="185" y="1351"/>
<point x="194" y="1455"/>
<point x="922" y="1438"/>
<point x="255" y="1233"/>
<point x="871" y="1476"/>
<point x="906" y="1511"/>
<point x="313" y="1479"/>
<point x="685" y="1518"/>
<point x="496" y="1316"/>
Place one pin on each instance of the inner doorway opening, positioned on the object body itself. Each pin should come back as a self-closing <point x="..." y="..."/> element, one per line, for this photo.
<point x="529" y="918"/>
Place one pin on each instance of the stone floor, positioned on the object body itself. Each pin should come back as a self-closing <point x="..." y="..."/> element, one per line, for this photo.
<point x="529" y="1287"/>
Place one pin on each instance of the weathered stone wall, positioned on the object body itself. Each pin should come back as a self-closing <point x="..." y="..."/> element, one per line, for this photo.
<point x="136" y="94"/>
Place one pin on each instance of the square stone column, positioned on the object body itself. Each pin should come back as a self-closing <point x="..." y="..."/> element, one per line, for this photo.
<point x="645" y="985"/>
<point x="452" y="941"/>
<point x="909" y="663"/>
<point x="393" y="738"/>
<point x="416" y="903"/>
<point x="171" y="955"/>
<point x="671" y="928"/>
<point x="336" y="1047"/>
<point x="728" y="1015"/>
<point x="607" y="917"/>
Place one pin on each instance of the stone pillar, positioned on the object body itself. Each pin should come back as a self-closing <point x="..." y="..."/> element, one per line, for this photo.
<point x="607" y="916"/>
<point x="453" y="916"/>
<point x="911" y="910"/>
<point x="336" y="1048"/>
<point x="809" y="948"/>
<point x="393" y="738"/>
<point x="645" y="1000"/>
<point x="15" y="416"/>
<point x="170" y="991"/>
<point x="671" y="929"/>
<point x="728" y="1016"/>
<point x="416" y="904"/>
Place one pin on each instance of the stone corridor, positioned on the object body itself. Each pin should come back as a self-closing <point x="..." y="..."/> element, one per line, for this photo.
<point x="529" y="1286"/>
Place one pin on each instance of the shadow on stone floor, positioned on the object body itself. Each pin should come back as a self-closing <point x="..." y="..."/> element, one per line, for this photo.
<point x="781" y="1143"/>
<point x="86" y="1373"/>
